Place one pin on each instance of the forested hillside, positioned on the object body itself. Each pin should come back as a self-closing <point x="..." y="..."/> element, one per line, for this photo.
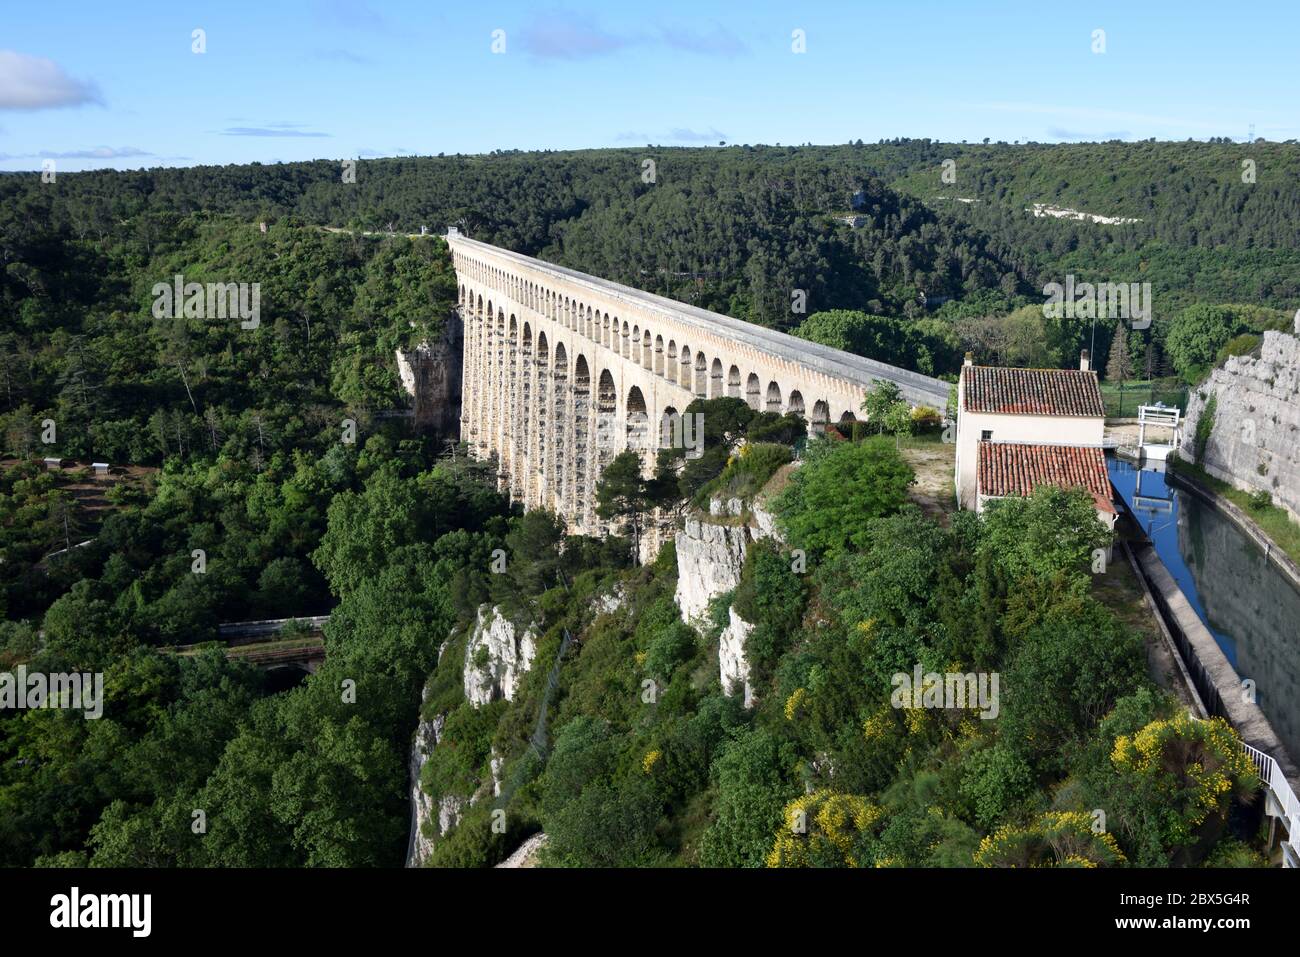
<point x="740" y="228"/>
<point x="240" y="452"/>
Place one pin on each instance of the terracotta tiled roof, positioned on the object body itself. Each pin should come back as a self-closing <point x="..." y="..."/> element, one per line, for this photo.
<point x="1031" y="391"/>
<point x="1006" y="468"/>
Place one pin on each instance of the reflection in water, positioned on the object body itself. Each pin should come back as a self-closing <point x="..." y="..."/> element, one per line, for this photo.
<point x="1252" y="610"/>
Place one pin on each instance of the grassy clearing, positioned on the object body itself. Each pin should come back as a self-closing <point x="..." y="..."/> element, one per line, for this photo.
<point x="1122" y="399"/>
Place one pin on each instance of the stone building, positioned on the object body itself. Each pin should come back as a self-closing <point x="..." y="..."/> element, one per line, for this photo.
<point x="1021" y="428"/>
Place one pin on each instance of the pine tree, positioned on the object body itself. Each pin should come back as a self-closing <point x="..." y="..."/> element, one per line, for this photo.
<point x="1120" y="367"/>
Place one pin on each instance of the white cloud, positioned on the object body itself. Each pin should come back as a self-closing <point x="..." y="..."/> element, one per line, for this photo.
<point x="36" y="83"/>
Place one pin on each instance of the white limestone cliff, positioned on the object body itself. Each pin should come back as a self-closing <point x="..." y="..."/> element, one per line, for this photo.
<point x="496" y="657"/>
<point x="710" y="556"/>
<point x="733" y="666"/>
<point x="709" y="559"/>
<point x="427" y="735"/>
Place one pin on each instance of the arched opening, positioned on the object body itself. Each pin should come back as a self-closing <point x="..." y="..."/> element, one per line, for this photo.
<point x="670" y="367"/>
<point x="638" y="425"/>
<point x="561" y="413"/>
<point x="733" y="382"/>
<point x="510" y="413"/>
<point x="846" y="424"/>
<point x="659" y="355"/>
<point x="670" y="429"/>
<point x="284" y="677"/>
<point x="543" y="357"/>
<point x="753" y="392"/>
<point x="820" y="416"/>
<point x="581" y="440"/>
<point x="715" y="379"/>
<point x="526" y="465"/>
<point x="773" y="397"/>
<point x="685" y="366"/>
<point x="606" y="423"/>
<point x="796" y="402"/>
<point x="701" y="376"/>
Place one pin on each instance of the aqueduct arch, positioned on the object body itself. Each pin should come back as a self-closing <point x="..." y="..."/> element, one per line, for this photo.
<point x="560" y="367"/>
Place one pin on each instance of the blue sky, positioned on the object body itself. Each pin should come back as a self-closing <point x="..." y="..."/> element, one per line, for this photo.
<point x="95" y="84"/>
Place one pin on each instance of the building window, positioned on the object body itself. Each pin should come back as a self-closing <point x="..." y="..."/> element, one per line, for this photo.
<point x="986" y="436"/>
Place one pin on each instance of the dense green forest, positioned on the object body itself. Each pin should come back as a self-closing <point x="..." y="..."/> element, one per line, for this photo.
<point x="739" y="228"/>
<point x="648" y="762"/>
<point x="238" y="447"/>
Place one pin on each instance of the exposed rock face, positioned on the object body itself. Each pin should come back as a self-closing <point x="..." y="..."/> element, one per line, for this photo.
<point x="732" y="664"/>
<point x="709" y="559"/>
<point x="610" y="602"/>
<point x="525" y="855"/>
<point x="710" y="556"/>
<point x="427" y="735"/>
<point x="1255" y="440"/>
<point x="764" y="522"/>
<point x="431" y="373"/>
<point x="496" y="659"/>
<point x="450" y="809"/>
<point x="496" y="763"/>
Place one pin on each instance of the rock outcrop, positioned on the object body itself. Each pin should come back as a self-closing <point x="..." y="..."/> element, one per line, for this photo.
<point x="710" y="555"/>
<point x="733" y="666"/>
<point x="610" y="601"/>
<point x="709" y="559"/>
<point x="431" y="375"/>
<point x="1254" y="437"/>
<point x="526" y="854"/>
<point x="496" y="657"/>
<point x="427" y="735"/>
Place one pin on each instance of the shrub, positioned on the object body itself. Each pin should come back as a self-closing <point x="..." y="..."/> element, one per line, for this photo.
<point x="839" y="489"/>
<point x="747" y="471"/>
<point x="925" y="418"/>
<point x="1237" y="346"/>
<point x="1204" y="426"/>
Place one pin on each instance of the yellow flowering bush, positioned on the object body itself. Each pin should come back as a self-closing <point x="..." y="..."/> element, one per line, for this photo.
<point x="1189" y="768"/>
<point x="651" y="759"/>
<point x="794" y="703"/>
<point x="823" y="828"/>
<point x="878" y="724"/>
<point x="1057" y="839"/>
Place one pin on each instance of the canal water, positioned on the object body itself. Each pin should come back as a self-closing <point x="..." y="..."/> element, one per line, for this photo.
<point x="1252" y="610"/>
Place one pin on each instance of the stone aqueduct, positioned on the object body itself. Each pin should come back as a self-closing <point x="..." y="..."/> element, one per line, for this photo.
<point x="563" y="370"/>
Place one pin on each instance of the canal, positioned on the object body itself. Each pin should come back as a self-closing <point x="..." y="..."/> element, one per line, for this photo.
<point x="1252" y="610"/>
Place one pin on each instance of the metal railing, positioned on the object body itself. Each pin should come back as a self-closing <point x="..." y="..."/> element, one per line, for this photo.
<point x="1277" y="784"/>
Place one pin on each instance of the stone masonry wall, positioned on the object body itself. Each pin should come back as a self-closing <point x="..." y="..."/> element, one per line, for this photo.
<point x="1255" y="440"/>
